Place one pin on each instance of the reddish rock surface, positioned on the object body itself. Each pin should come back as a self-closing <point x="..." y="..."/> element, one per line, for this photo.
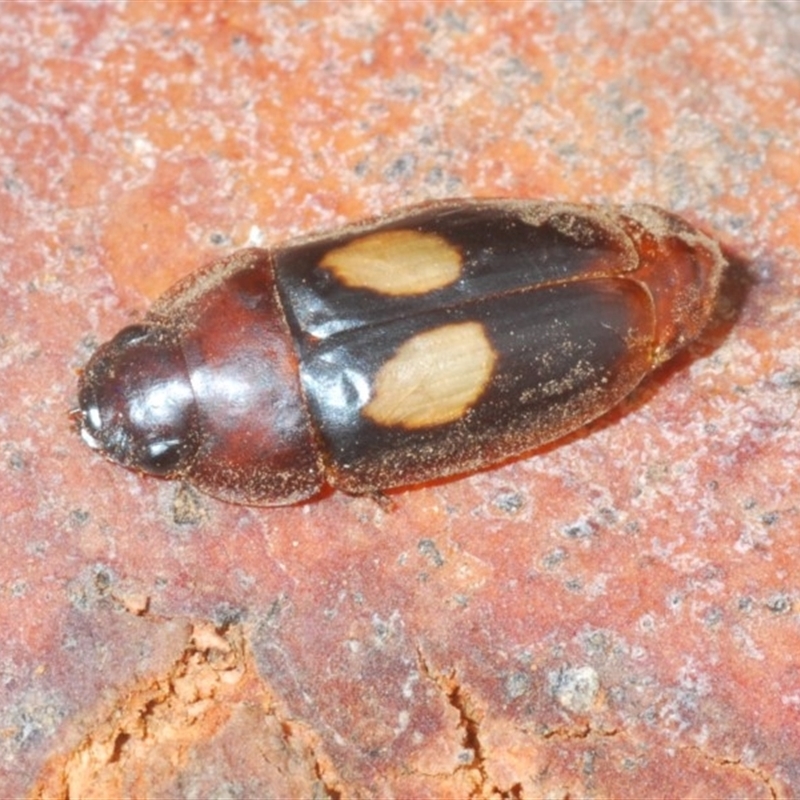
<point x="616" y="615"/>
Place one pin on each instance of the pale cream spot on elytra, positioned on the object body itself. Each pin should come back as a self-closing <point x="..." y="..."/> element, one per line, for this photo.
<point x="433" y="378"/>
<point x="403" y="262"/>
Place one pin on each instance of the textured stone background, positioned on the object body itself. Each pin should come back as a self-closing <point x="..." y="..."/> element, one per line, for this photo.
<point x="613" y="616"/>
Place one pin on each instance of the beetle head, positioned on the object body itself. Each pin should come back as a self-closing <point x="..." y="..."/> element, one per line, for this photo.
<point x="136" y="402"/>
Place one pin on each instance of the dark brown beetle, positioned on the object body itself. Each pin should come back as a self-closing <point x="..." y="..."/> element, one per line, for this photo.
<point x="434" y="341"/>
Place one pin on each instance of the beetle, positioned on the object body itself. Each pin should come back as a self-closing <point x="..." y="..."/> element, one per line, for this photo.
<point x="430" y="342"/>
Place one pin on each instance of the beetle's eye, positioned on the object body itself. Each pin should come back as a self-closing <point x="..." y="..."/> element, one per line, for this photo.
<point x="164" y="456"/>
<point x="133" y="334"/>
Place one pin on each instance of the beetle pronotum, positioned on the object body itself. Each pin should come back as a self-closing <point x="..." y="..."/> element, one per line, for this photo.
<point x="431" y="342"/>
